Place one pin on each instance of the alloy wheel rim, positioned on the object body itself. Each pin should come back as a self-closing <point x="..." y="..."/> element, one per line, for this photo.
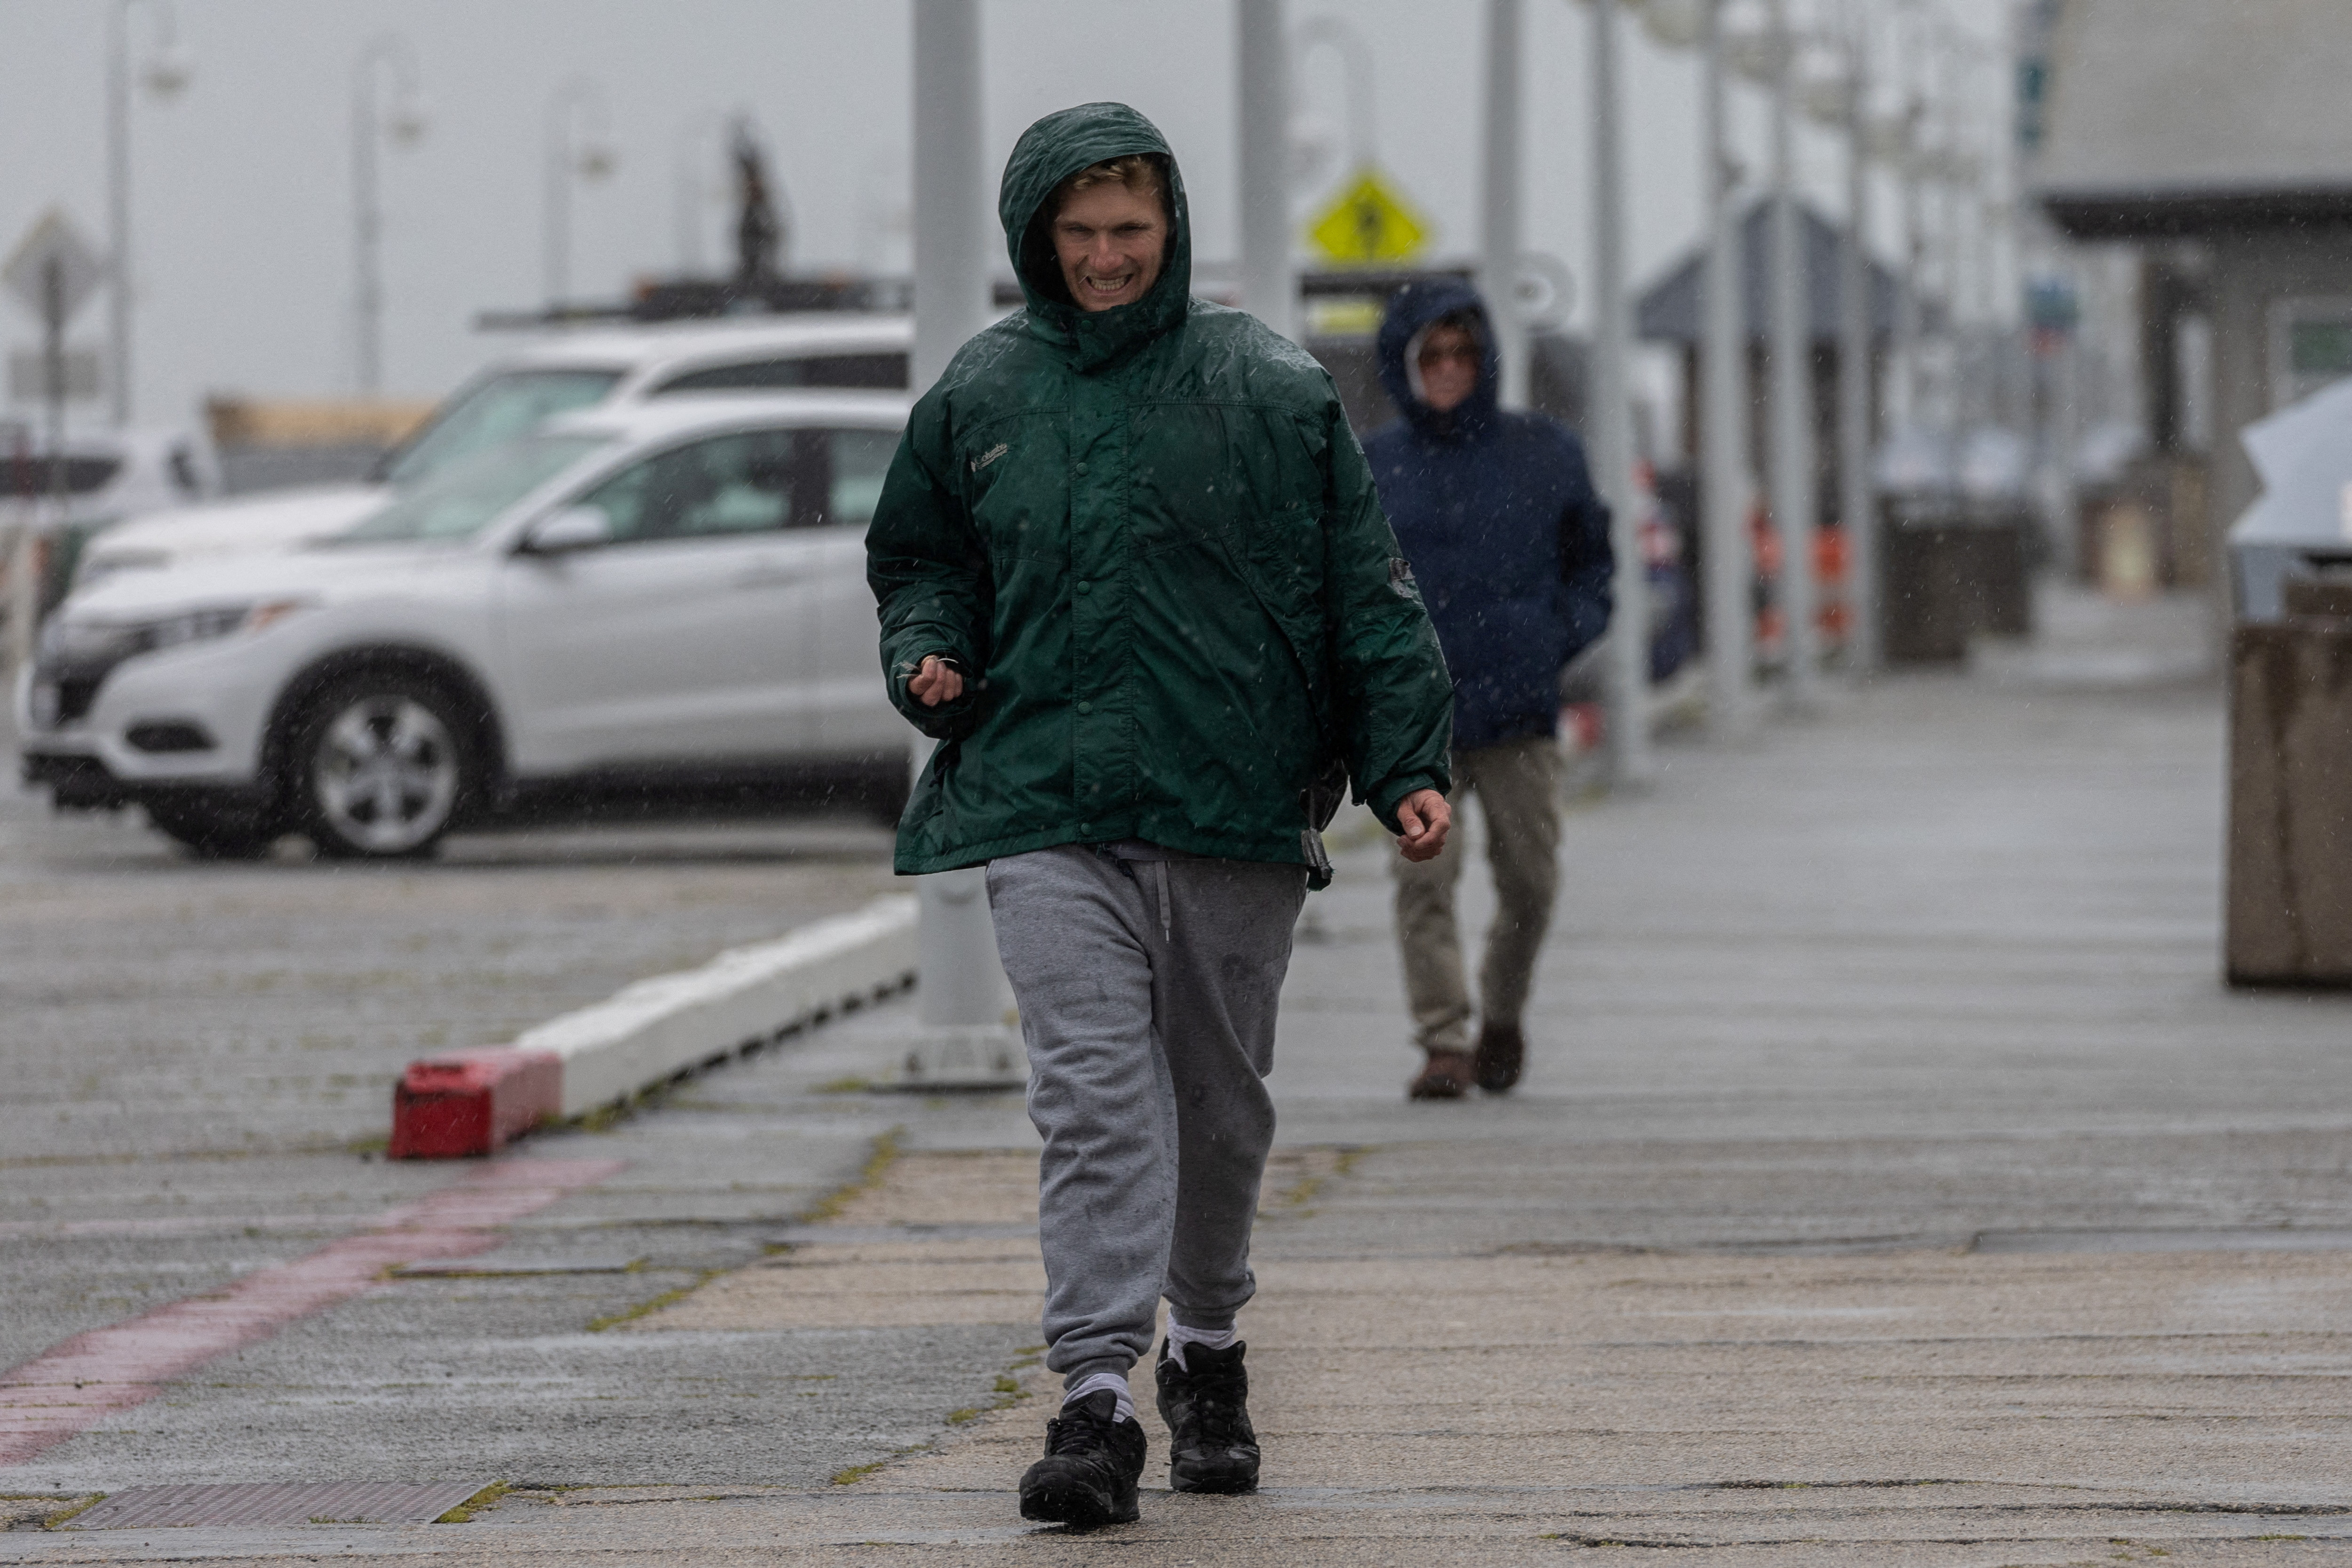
<point x="387" y="774"/>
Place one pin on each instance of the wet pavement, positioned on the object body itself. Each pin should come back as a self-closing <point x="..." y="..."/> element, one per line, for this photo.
<point x="1880" y="1192"/>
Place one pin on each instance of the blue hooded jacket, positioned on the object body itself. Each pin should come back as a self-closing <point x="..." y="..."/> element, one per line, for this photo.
<point x="1496" y="512"/>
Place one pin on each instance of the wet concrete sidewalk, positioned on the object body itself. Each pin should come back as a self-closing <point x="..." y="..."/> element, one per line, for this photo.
<point x="1894" y="1182"/>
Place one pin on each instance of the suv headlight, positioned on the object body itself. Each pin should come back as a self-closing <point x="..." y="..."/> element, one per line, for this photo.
<point x="66" y="640"/>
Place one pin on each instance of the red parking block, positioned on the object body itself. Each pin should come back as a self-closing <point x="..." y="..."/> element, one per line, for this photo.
<point x="473" y="1102"/>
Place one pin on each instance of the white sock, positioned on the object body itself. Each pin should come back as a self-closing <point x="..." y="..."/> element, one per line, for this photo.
<point x="1093" y="1383"/>
<point x="1179" y="1336"/>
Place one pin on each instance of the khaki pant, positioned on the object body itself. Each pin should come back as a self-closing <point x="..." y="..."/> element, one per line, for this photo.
<point x="1517" y="787"/>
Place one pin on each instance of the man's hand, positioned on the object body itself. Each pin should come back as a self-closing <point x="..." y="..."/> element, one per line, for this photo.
<point x="1424" y="816"/>
<point x="937" y="681"/>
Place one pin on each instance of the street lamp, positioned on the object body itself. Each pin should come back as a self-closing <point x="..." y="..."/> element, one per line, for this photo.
<point x="402" y="122"/>
<point x="1356" y="62"/>
<point x="166" y="74"/>
<point x="1610" y="419"/>
<point x="1838" y="90"/>
<point x="1263" y="93"/>
<point x="1791" y="477"/>
<point x="690" y="189"/>
<point x="1726" y="483"/>
<point x="579" y="146"/>
<point x="1499" y="230"/>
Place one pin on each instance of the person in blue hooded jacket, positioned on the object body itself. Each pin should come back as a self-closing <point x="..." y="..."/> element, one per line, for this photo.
<point x="1496" y="512"/>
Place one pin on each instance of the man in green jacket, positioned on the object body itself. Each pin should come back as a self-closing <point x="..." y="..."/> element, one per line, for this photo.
<point x="1134" y="578"/>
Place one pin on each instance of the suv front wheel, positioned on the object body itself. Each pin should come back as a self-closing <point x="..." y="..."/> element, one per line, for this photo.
<point x="384" y="764"/>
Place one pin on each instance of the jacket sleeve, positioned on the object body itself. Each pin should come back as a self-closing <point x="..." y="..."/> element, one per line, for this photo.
<point x="929" y="571"/>
<point x="1588" y="563"/>
<point x="1392" y="697"/>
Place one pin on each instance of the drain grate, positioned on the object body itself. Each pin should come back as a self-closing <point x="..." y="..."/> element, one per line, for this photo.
<point x="277" y="1502"/>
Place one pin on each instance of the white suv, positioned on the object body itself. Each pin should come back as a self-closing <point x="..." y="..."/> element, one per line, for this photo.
<point x="653" y="604"/>
<point x="562" y="373"/>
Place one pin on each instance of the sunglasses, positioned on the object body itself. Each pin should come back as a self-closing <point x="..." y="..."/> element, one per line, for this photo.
<point x="1468" y="353"/>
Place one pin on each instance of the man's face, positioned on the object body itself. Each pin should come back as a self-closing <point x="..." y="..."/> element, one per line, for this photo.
<point x="1449" y="367"/>
<point x="1111" y="242"/>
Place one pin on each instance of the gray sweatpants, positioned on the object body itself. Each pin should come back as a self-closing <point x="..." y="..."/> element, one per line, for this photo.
<point x="1146" y="992"/>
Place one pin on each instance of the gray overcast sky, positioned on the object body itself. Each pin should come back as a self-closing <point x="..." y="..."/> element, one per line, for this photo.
<point x="242" y="186"/>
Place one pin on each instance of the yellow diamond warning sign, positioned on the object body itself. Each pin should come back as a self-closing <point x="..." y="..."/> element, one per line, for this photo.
<point x="1369" y="222"/>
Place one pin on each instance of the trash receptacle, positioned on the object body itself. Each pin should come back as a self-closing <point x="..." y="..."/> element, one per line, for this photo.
<point x="2290" y="887"/>
<point x="1949" y="571"/>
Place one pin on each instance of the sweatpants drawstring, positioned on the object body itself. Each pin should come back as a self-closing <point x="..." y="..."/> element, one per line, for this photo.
<point x="1160" y="882"/>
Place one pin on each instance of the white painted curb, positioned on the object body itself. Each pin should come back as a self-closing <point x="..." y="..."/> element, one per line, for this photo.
<point x="650" y="1032"/>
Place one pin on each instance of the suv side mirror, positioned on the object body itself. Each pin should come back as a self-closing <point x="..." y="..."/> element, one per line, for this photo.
<point x="573" y="528"/>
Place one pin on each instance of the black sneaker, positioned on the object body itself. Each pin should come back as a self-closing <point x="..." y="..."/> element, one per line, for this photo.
<point x="1092" y="1462"/>
<point x="1204" y="1398"/>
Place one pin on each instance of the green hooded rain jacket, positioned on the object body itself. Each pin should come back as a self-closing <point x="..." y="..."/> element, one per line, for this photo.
<point x="1150" y="541"/>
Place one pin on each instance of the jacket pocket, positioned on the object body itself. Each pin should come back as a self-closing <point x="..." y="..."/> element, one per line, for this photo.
<point x="1268" y="565"/>
<point x="1015" y="475"/>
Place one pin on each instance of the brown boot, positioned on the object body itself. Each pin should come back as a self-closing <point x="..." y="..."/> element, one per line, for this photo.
<point x="1502" y="1051"/>
<point x="1445" y="1076"/>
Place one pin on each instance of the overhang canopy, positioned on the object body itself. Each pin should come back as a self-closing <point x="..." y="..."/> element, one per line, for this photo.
<point x="1669" y="311"/>
<point x="2179" y="117"/>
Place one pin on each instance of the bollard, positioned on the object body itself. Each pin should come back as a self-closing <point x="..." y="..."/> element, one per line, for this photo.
<point x="2290" y="897"/>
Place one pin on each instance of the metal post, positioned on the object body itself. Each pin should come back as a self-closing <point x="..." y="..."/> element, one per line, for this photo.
<point x="1611" y="422"/>
<point x="1262" y="89"/>
<point x="1903" y="391"/>
<point x="23" y="586"/>
<point x="390" y="52"/>
<point x="167" y="72"/>
<point x="1724" y="484"/>
<point x="118" y="209"/>
<point x="52" y="370"/>
<point x="2065" y="423"/>
<point x="32" y="549"/>
<point x="1499" y="228"/>
<point x="577" y="100"/>
<point x="690" y="193"/>
<point x="962" y="981"/>
<point x="367" y="236"/>
<point x="1857" y="514"/>
<point x="1793" y="502"/>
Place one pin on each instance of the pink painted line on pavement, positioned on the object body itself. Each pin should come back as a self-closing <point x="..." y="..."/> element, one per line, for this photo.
<point x="93" y="1374"/>
<point x="189" y="1224"/>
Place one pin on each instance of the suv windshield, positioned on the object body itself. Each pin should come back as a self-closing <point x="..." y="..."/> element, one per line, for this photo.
<point x="498" y="408"/>
<point x="458" y="500"/>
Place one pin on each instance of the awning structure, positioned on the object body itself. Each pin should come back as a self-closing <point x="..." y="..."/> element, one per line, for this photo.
<point x="2179" y="117"/>
<point x="1669" y="311"/>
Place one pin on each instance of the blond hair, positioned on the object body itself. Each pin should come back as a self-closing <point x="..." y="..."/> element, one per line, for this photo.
<point x="1142" y="173"/>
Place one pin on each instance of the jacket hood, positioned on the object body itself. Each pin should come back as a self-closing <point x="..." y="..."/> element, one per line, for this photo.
<point x="1411" y="312"/>
<point x="1048" y="152"/>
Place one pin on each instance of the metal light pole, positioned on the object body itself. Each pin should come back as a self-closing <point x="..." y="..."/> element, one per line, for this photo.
<point x="1902" y="398"/>
<point x="962" y="981"/>
<point x="388" y="55"/>
<point x="1262" y="89"/>
<point x="1724" y="484"/>
<point x="1499" y="227"/>
<point x="690" y="192"/>
<point x="1791" y="413"/>
<point x="167" y="73"/>
<point x="1856" y="511"/>
<point x="1356" y="64"/>
<point x="1610" y="421"/>
<point x="579" y="145"/>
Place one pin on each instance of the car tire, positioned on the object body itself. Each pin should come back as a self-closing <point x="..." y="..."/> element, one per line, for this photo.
<point x="211" y="833"/>
<point x="383" y="764"/>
